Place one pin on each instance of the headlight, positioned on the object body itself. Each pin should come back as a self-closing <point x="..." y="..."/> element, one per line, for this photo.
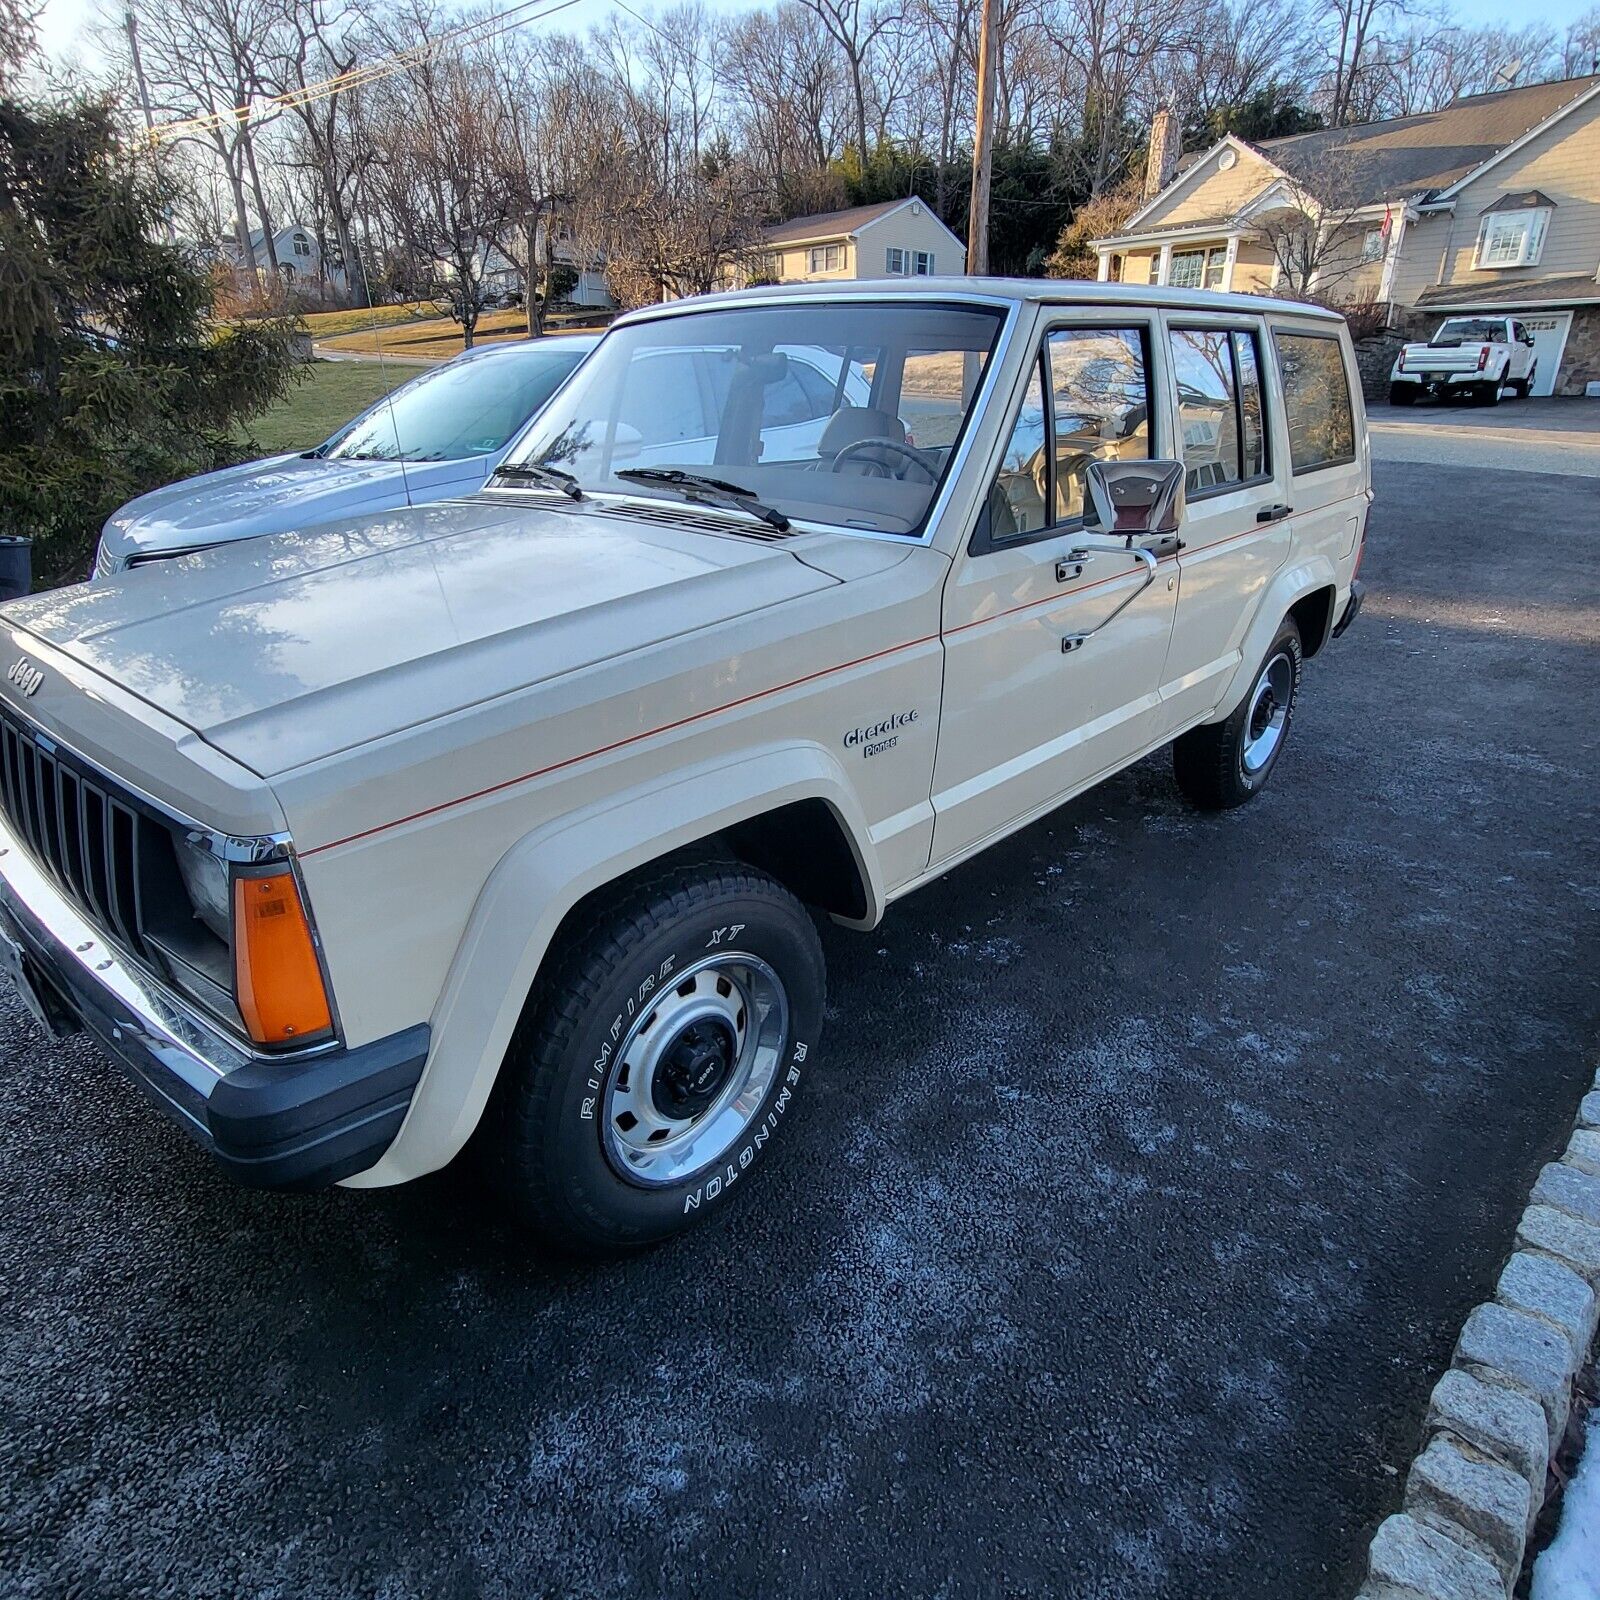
<point x="205" y="877"/>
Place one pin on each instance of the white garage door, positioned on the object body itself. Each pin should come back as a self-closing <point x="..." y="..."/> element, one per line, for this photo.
<point x="1549" y="330"/>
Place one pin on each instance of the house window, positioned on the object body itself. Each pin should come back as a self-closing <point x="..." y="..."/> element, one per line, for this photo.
<point x="894" y="262"/>
<point x="302" y="245"/>
<point x="1199" y="269"/>
<point x="922" y="263"/>
<point x="1372" y="245"/>
<point x="826" y="258"/>
<point x="1511" y="238"/>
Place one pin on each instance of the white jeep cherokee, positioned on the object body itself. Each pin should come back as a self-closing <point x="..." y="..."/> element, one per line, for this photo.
<point x="503" y="819"/>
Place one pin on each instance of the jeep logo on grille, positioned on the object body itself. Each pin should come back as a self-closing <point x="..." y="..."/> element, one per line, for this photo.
<point x="25" y="675"/>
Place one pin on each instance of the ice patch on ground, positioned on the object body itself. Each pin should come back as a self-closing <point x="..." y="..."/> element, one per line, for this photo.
<point x="1570" y="1568"/>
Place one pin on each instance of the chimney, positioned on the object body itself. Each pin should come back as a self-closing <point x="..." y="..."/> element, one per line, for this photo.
<point x="1162" y="160"/>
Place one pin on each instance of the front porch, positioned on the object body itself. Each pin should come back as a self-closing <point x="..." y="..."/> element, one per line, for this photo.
<point x="1204" y="256"/>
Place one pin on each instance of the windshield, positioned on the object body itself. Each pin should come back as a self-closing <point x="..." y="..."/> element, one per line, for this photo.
<point x="845" y="413"/>
<point x="468" y="408"/>
<point x="1469" y="330"/>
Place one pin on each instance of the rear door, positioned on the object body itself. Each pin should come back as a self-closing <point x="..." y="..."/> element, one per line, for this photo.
<point x="1236" y="532"/>
<point x="1324" y="437"/>
<point x="1025" y="723"/>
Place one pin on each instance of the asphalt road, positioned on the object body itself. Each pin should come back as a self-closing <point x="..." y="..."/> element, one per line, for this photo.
<point x="1152" y="1164"/>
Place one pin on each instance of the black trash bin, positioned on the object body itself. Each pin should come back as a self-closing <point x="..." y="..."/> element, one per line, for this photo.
<point x="16" y="567"/>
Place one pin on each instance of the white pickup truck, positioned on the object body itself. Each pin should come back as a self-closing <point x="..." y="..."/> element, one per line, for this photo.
<point x="1473" y="356"/>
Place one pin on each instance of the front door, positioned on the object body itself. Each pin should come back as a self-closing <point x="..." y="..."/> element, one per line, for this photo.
<point x="1026" y="722"/>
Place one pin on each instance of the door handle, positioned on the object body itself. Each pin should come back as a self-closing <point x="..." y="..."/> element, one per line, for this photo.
<point x="1274" y="513"/>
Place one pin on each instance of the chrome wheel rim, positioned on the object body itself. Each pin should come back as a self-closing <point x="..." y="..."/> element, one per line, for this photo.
<point x="694" y="1069"/>
<point x="1268" y="715"/>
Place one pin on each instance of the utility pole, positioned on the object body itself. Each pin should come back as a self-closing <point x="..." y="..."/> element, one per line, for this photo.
<point x="130" y="24"/>
<point x="982" y="146"/>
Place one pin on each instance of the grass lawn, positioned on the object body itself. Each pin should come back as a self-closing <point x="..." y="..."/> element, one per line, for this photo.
<point x="329" y="393"/>
<point x="439" y="337"/>
<point x="325" y="324"/>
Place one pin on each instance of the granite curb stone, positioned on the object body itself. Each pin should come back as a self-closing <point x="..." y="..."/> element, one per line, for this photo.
<point x="1496" y="1418"/>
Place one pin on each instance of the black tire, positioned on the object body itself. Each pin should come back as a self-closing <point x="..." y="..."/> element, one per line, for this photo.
<point x="1212" y="763"/>
<point x="1402" y="394"/>
<point x="546" y="1143"/>
<point x="1487" y="394"/>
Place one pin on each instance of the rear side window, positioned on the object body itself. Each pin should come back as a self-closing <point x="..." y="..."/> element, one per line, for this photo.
<point x="1219" y="407"/>
<point x="1316" y="401"/>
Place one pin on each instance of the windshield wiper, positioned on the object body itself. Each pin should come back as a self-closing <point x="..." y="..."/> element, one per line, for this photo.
<point x="710" y="491"/>
<point x="536" y="472"/>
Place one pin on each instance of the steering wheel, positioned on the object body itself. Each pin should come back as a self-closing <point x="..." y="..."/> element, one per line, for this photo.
<point x="909" y="453"/>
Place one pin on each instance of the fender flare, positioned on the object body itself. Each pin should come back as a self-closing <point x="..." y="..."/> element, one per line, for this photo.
<point x="539" y="880"/>
<point x="1291" y="584"/>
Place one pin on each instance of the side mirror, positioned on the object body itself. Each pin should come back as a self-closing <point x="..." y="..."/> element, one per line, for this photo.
<point x="1136" y="498"/>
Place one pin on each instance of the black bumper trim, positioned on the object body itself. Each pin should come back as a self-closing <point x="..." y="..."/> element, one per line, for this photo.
<point x="304" y="1126"/>
<point x="273" y="1123"/>
<point x="1352" y="610"/>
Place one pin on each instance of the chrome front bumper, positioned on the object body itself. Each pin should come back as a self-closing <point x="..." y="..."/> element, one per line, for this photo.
<point x="272" y="1122"/>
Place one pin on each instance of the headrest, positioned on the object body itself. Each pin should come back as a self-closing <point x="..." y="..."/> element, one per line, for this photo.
<point x="852" y="423"/>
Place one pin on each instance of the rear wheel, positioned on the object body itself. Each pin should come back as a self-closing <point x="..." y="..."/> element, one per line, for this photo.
<point x="657" y="1058"/>
<point x="1487" y="394"/>
<point x="1227" y="763"/>
<point x="1402" y="394"/>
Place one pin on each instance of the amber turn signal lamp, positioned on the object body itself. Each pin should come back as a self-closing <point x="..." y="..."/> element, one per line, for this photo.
<point x="276" y="978"/>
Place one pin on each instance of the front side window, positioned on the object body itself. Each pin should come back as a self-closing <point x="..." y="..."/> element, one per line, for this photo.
<point x="845" y="413"/>
<point x="1219" y="407"/>
<point x="1020" y="495"/>
<point x="1512" y="238"/>
<point x="1316" y="399"/>
<point x="1099" y="406"/>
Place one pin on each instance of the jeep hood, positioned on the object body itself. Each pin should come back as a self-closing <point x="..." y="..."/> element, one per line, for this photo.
<point x="282" y="650"/>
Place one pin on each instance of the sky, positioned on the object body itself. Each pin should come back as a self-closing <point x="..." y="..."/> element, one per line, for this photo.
<point x="65" y="26"/>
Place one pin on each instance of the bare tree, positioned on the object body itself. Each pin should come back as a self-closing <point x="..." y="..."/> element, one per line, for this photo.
<point x="856" y="28"/>
<point x="318" y="42"/>
<point x="440" y="169"/>
<point x="1313" y="232"/>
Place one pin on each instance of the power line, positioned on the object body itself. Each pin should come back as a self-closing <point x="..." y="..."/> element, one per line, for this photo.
<point x="472" y="32"/>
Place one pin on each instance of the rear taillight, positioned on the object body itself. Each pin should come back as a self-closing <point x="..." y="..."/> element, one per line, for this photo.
<point x="1483" y="358"/>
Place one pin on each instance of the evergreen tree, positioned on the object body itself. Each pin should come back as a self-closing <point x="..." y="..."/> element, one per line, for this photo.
<point x="115" y="375"/>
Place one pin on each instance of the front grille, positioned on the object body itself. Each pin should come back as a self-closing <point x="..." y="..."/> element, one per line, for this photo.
<point x="101" y="849"/>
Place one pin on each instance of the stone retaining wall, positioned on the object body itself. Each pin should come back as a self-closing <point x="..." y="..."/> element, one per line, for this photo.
<point x="1496" y="1418"/>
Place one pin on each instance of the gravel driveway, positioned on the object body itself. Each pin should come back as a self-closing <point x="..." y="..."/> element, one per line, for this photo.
<point x="1151" y="1166"/>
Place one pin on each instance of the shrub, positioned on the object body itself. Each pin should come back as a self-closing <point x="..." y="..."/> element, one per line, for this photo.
<point x="115" y="376"/>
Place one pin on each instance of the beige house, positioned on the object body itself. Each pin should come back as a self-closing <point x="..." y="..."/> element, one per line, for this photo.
<point x="895" y="239"/>
<point x="1492" y="204"/>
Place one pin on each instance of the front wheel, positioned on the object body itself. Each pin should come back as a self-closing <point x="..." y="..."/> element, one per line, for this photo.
<point x="1224" y="764"/>
<point x="657" y="1058"/>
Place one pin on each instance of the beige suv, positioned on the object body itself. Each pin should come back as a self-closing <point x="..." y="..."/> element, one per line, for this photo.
<point x="504" y="820"/>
